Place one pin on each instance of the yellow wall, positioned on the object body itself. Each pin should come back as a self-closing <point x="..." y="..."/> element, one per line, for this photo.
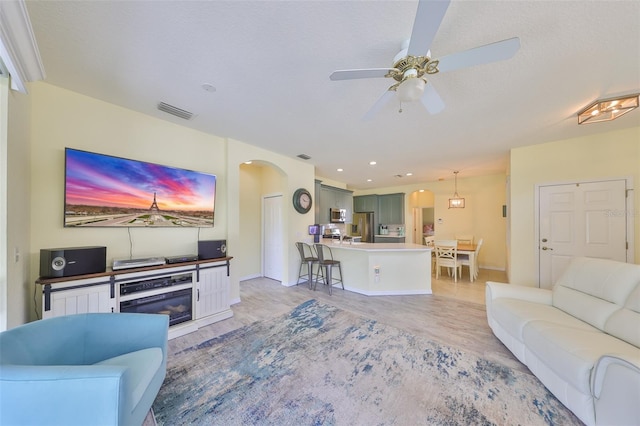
<point x="51" y="118"/>
<point x="481" y="217"/>
<point x="605" y="155"/>
<point x="19" y="286"/>
<point x="294" y="174"/>
<point x="250" y="262"/>
<point x="256" y="181"/>
<point x="60" y="119"/>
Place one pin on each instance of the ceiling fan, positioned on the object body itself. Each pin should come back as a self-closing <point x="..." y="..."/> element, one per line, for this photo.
<point x="414" y="62"/>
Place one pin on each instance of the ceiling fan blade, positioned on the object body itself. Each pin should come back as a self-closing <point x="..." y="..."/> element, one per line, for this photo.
<point x="431" y="99"/>
<point x="488" y="53"/>
<point x="428" y="18"/>
<point x="381" y="102"/>
<point x="363" y="73"/>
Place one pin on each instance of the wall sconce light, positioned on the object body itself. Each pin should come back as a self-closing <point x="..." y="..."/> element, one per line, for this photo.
<point x="456" y="202"/>
<point x="608" y="109"/>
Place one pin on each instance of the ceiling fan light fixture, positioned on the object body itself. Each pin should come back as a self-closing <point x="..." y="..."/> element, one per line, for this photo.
<point x="411" y="89"/>
<point x="456" y="202"/>
<point x="608" y="109"/>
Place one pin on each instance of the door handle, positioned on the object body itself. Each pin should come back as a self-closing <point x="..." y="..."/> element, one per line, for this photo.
<point x="547" y="248"/>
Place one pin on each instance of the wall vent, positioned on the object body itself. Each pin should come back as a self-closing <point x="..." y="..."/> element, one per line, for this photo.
<point x="170" y="109"/>
<point x="304" y="156"/>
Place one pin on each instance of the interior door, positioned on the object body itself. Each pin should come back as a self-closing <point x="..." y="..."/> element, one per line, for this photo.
<point x="580" y="219"/>
<point x="272" y="246"/>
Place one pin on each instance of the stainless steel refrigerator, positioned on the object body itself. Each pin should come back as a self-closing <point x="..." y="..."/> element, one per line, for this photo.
<point x="362" y="226"/>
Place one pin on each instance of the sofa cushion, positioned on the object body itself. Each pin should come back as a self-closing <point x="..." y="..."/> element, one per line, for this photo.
<point x="142" y="365"/>
<point x="593" y="289"/>
<point x="624" y="323"/>
<point x="572" y="352"/>
<point x="513" y="315"/>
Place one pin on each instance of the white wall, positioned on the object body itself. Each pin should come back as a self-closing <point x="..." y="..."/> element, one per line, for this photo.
<point x="605" y="155"/>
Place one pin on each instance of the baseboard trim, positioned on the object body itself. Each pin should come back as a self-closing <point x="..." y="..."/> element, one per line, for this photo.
<point x="250" y="277"/>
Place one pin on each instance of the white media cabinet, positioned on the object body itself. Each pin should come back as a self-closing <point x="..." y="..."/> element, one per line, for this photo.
<point x="204" y="282"/>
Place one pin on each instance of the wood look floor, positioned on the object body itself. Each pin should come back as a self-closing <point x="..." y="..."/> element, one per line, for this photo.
<point x="453" y="315"/>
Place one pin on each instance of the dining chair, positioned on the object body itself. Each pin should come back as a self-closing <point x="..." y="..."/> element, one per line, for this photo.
<point x="309" y="258"/>
<point x="430" y="242"/>
<point x="465" y="261"/>
<point x="464" y="239"/>
<point x="326" y="263"/>
<point x="447" y="256"/>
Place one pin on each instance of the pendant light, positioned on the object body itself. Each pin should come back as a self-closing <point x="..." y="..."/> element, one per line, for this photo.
<point x="456" y="202"/>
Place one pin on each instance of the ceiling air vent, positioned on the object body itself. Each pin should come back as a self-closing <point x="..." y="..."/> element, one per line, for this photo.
<point x="170" y="109"/>
<point x="304" y="156"/>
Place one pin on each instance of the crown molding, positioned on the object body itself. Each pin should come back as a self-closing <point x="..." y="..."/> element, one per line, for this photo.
<point x="18" y="47"/>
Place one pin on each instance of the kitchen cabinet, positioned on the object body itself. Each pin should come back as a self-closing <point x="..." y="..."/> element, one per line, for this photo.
<point x="391" y="209"/>
<point x="388" y="239"/>
<point x="365" y="203"/>
<point x="337" y="198"/>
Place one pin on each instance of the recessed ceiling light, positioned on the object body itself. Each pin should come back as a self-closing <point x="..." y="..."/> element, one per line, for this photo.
<point x="369" y="180"/>
<point x="422" y="190"/>
<point x="209" y="87"/>
<point x="340" y="170"/>
<point x="409" y="174"/>
<point x="372" y="163"/>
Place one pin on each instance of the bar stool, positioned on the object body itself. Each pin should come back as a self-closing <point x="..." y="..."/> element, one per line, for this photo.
<point x="326" y="262"/>
<point x="309" y="258"/>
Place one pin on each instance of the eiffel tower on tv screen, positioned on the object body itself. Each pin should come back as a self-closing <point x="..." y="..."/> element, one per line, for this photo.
<point x="154" y="206"/>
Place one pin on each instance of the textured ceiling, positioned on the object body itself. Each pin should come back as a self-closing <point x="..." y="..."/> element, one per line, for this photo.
<point x="270" y="62"/>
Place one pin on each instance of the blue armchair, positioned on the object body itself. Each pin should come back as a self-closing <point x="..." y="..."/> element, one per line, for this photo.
<point x="87" y="369"/>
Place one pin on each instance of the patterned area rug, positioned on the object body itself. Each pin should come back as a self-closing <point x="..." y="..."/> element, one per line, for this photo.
<point x="320" y="365"/>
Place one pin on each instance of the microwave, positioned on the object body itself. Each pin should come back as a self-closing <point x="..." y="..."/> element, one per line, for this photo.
<point x="338" y="215"/>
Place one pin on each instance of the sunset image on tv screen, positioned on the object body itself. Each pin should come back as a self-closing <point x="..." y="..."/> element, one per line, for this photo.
<point x="101" y="190"/>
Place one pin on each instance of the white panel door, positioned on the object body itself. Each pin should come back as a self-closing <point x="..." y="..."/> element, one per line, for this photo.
<point x="272" y="242"/>
<point x="580" y="219"/>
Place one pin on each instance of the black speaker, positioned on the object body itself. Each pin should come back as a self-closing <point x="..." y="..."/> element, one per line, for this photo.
<point x="66" y="262"/>
<point x="212" y="249"/>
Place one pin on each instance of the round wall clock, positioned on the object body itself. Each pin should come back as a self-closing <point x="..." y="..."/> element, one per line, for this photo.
<point x="302" y="200"/>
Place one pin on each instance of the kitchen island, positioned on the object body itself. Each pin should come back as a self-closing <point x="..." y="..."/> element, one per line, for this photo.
<point x="383" y="269"/>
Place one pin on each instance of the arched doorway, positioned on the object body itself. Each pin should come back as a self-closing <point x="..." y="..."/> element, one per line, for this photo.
<point x="261" y="234"/>
<point x="421" y="203"/>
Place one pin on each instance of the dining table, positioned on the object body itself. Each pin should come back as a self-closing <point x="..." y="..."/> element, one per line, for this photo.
<point x="469" y="249"/>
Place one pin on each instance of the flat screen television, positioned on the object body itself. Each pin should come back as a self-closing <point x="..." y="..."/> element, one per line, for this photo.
<point x="105" y="191"/>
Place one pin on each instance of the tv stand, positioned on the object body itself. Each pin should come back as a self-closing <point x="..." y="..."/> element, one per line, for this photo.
<point x="194" y="294"/>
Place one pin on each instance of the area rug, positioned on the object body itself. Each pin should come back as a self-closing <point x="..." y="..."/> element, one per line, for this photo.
<point x="319" y="365"/>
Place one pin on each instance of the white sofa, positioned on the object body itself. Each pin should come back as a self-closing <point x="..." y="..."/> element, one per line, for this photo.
<point x="581" y="339"/>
